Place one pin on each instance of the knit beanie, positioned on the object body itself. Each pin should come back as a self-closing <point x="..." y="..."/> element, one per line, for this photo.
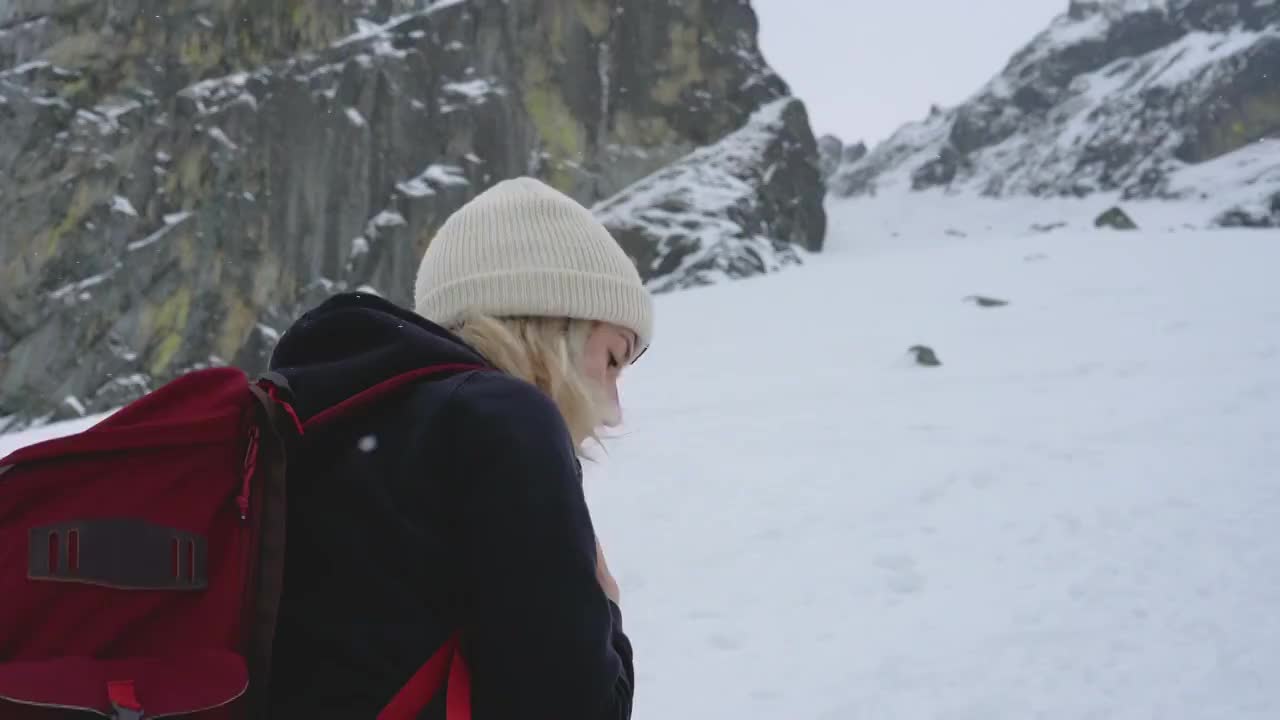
<point x="523" y="248"/>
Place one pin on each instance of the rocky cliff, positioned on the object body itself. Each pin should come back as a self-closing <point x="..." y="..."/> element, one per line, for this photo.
<point x="737" y="208"/>
<point x="182" y="178"/>
<point x="1137" y="98"/>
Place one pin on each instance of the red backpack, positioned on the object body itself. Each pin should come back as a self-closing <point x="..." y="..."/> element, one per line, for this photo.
<point x="141" y="560"/>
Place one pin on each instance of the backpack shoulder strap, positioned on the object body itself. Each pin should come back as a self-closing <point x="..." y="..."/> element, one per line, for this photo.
<point x="277" y="428"/>
<point x="384" y="389"/>
<point x="416" y="694"/>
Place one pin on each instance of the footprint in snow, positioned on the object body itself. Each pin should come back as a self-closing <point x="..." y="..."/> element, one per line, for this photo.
<point x="896" y="563"/>
<point x="982" y="479"/>
<point x="724" y="642"/>
<point x="905" y="584"/>
<point x="902" y="575"/>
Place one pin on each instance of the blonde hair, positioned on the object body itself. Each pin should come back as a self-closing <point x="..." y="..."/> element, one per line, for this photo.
<point x="547" y="353"/>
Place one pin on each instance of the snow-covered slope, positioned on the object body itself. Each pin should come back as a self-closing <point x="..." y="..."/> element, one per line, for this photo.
<point x="1073" y="517"/>
<point x="1135" y="98"/>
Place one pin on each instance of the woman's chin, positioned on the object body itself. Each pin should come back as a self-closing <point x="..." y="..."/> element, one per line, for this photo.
<point x="612" y="417"/>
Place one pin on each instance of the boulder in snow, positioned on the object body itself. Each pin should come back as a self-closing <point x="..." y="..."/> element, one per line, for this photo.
<point x="1116" y="219"/>
<point x="1265" y="214"/>
<point x="983" y="301"/>
<point x="924" y="356"/>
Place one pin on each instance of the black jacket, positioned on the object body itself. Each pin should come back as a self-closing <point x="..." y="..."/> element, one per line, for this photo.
<point x="457" y="503"/>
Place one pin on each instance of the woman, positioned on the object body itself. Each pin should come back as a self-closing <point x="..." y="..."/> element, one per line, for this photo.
<point x="457" y="504"/>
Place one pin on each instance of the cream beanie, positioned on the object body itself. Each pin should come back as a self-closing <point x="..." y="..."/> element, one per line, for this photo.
<point x="524" y="248"/>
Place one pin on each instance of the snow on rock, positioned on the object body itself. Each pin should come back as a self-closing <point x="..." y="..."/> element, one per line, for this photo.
<point x="415" y="187"/>
<point x="368" y="30"/>
<point x="121" y="204"/>
<point x="435" y="176"/>
<point x="1259" y="213"/>
<point x="75" y="288"/>
<point x="1143" y="98"/>
<point x="24" y="68"/>
<point x="728" y="210"/>
<point x="171" y="221"/>
<point x="269" y="332"/>
<point x="476" y="90"/>
<point x="208" y="95"/>
<point x="74" y="404"/>
<point x="384" y="219"/>
<point x="446" y="176"/>
<point x="116" y="109"/>
<point x="221" y="138"/>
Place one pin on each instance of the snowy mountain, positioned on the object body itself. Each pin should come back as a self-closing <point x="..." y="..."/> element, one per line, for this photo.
<point x="1168" y="99"/>
<point x="1073" y="516"/>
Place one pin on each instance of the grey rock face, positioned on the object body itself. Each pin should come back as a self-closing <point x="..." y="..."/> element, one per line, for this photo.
<point x="830" y="155"/>
<point x="182" y="180"/>
<point x="834" y="154"/>
<point x="853" y="153"/>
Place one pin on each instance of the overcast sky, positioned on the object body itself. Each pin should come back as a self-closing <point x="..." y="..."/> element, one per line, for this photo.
<point x="865" y="67"/>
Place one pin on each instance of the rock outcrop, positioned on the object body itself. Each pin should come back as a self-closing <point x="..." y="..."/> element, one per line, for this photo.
<point x="730" y="210"/>
<point x="1136" y="98"/>
<point x="183" y="179"/>
<point x="830" y="152"/>
<point x="834" y="154"/>
<point x="1263" y="213"/>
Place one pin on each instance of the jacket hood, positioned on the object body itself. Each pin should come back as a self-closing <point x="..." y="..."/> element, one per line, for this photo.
<point x="354" y="341"/>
